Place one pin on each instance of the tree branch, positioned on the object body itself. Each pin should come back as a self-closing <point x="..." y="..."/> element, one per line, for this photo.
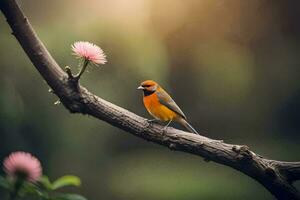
<point x="276" y="176"/>
<point x="290" y="170"/>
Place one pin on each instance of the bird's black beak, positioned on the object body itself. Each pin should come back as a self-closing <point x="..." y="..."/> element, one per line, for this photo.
<point x="140" y="88"/>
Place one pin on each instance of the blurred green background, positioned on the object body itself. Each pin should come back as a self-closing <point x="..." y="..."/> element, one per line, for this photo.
<point x="232" y="66"/>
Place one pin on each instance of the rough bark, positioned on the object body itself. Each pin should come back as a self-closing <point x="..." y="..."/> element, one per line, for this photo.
<point x="275" y="176"/>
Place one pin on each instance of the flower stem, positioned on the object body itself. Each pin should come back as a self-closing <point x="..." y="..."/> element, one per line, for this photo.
<point x="85" y="64"/>
<point x="17" y="186"/>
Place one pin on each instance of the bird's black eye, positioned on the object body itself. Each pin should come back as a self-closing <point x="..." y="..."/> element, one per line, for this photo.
<point x="146" y="85"/>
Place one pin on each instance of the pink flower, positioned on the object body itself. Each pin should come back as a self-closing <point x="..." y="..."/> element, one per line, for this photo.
<point x="89" y="52"/>
<point x="22" y="164"/>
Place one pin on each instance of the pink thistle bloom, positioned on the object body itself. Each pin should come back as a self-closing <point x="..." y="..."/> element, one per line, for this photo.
<point x="89" y="52"/>
<point x="22" y="164"/>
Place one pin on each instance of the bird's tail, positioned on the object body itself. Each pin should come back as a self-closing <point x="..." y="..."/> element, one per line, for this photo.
<point x="189" y="127"/>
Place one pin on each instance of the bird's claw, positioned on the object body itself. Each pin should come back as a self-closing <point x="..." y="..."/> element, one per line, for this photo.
<point x="164" y="129"/>
<point x="151" y="120"/>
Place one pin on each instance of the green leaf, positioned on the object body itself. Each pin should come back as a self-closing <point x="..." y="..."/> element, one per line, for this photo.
<point x="45" y="182"/>
<point x="69" y="197"/>
<point x="29" y="189"/>
<point x="67" y="180"/>
<point x="32" y="191"/>
<point x="4" y="183"/>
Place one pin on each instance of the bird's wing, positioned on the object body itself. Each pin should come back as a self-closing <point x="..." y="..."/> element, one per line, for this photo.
<point x="165" y="99"/>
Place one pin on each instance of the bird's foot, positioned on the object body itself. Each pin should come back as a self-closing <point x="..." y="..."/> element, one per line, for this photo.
<point x="164" y="129"/>
<point x="166" y="126"/>
<point x="151" y="120"/>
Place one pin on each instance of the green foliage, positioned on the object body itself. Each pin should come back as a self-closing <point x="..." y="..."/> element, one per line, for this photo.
<point x="45" y="182"/>
<point x="43" y="190"/>
<point x="33" y="191"/>
<point x="4" y="183"/>
<point x="67" y="180"/>
<point x="69" y="197"/>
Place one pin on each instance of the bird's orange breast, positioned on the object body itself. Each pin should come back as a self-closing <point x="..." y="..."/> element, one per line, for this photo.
<point x="158" y="110"/>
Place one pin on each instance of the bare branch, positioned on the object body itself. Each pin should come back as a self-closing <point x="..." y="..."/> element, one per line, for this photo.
<point x="31" y="44"/>
<point x="291" y="170"/>
<point x="276" y="176"/>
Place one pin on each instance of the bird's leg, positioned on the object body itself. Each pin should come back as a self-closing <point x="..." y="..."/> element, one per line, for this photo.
<point x="166" y="126"/>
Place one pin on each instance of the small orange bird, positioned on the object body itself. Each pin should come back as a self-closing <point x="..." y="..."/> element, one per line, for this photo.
<point x="161" y="106"/>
